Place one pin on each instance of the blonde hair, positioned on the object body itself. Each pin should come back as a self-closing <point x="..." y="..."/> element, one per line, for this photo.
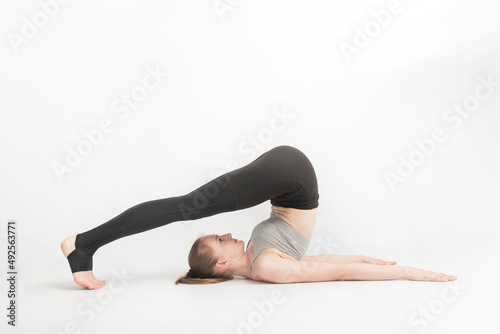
<point x="202" y="262"/>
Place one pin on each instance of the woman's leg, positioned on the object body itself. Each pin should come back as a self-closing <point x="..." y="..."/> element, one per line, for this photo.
<point x="283" y="174"/>
<point x="211" y="198"/>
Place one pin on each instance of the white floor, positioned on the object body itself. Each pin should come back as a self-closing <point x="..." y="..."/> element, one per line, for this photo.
<point x="140" y="297"/>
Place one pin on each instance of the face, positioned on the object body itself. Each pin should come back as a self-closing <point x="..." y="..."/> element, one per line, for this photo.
<point x="226" y="249"/>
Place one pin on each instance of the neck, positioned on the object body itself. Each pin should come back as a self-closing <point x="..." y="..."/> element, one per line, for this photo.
<point x="242" y="265"/>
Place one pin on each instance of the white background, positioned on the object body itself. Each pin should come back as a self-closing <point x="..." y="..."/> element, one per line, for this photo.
<point x="229" y="73"/>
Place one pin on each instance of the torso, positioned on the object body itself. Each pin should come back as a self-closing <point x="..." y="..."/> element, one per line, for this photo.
<point x="302" y="220"/>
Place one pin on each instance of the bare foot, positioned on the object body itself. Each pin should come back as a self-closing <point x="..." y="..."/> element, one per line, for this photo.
<point x="85" y="279"/>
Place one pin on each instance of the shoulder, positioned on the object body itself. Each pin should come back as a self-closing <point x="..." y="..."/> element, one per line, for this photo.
<point x="271" y="265"/>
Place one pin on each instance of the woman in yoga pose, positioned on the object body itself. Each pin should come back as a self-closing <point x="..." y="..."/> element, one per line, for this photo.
<point x="276" y="250"/>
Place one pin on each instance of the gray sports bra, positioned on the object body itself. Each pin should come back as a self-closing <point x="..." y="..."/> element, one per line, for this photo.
<point x="276" y="233"/>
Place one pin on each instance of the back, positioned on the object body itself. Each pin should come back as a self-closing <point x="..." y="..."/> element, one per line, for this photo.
<point x="276" y="233"/>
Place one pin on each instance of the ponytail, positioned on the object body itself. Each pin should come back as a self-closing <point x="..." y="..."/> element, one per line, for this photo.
<point x="201" y="258"/>
<point x="189" y="278"/>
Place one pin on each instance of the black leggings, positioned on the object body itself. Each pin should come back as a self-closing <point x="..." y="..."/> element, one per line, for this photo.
<point x="283" y="175"/>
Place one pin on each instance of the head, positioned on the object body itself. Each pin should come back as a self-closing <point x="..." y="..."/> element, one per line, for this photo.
<point x="213" y="258"/>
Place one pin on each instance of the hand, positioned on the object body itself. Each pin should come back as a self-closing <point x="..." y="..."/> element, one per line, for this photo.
<point x="415" y="274"/>
<point x="367" y="259"/>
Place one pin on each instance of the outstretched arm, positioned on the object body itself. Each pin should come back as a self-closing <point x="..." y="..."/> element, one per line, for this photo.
<point x="339" y="259"/>
<point x="374" y="272"/>
<point x="278" y="270"/>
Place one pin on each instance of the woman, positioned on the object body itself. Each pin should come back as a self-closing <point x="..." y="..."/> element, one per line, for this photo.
<point x="275" y="252"/>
